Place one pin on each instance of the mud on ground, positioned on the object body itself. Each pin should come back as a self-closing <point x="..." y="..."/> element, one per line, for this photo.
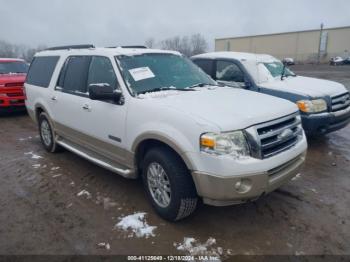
<point x="42" y="211"/>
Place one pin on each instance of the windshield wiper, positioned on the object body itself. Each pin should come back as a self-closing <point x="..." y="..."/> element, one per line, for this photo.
<point x="196" y="85"/>
<point x="159" y="89"/>
<point x="200" y="85"/>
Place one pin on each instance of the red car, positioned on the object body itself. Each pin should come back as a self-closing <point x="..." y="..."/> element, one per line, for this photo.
<point x="12" y="76"/>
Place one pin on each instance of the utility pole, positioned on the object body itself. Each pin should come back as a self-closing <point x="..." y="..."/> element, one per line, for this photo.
<point x="319" y="46"/>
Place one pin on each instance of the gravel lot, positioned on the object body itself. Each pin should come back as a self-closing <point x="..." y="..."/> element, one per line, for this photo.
<point x="42" y="211"/>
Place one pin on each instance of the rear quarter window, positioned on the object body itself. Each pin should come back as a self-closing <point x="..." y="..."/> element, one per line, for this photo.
<point x="41" y="70"/>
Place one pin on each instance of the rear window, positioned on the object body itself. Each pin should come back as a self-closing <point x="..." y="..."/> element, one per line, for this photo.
<point x="16" y="67"/>
<point x="41" y="70"/>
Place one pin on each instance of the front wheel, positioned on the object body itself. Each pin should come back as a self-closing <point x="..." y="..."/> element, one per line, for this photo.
<point x="169" y="184"/>
<point x="47" y="134"/>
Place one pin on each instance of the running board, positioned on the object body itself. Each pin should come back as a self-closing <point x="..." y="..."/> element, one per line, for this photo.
<point x="127" y="173"/>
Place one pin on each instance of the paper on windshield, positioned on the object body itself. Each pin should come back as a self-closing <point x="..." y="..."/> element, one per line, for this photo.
<point x="141" y="73"/>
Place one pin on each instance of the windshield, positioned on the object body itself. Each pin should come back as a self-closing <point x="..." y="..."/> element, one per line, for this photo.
<point x="149" y="72"/>
<point x="276" y="69"/>
<point x="13" y="67"/>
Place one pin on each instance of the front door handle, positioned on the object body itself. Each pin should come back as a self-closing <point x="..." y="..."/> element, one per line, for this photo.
<point x="54" y="98"/>
<point x="87" y="107"/>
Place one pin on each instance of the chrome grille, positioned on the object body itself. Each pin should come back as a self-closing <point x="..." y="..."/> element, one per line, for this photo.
<point x="340" y="102"/>
<point x="271" y="138"/>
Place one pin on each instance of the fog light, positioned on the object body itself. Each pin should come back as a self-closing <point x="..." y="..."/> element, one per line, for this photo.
<point x="243" y="186"/>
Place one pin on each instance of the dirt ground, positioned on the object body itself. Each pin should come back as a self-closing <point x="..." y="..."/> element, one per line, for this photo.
<point x="41" y="212"/>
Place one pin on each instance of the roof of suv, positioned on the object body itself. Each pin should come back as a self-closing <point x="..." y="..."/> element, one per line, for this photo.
<point x="105" y="51"/>
<point x="236" y="55"/>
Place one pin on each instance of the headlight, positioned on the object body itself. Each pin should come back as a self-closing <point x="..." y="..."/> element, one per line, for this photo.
<point x="232" y="143"/>
<point x="312" y="106"/>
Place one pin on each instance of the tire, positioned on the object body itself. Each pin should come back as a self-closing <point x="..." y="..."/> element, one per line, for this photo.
<point x="47" y="134"/>
<point x="182" y="198"/>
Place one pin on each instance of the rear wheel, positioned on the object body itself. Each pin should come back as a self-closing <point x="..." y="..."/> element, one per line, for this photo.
<point x="47" y="134"/>
<point x="169" y="184"/>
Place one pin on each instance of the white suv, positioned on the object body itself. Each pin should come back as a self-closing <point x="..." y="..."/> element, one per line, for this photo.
<point x="154" y="114"/>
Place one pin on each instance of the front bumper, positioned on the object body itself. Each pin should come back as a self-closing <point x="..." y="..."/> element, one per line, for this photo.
<point x="11" y="101"/>
<point x="323" y="123"/>
<point x="12" y="104"/>
<point x="223" y="191"/>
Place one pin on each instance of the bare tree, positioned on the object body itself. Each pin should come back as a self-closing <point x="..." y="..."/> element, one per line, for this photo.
<point x="6" y="50"/>
<point x="9" y="50"/>
<point x="150" y="42"/>
<point x="173" y="43"/>
<point x="199" y="44"/>
<point x="187" y="45"/>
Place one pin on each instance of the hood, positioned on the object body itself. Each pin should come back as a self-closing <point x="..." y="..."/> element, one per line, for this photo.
<point x="307" y="86"/>
<point x="228" y="108"/>
<point x="12" y="78"/>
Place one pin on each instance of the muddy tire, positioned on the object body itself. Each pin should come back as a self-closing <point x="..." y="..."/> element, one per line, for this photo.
<point x="169" y="184"/>
<point x="47" y="134"/>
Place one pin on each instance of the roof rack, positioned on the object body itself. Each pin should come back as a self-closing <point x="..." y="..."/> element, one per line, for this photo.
<point x="130" y="46"/>
<point x="134" y="46"/>
<point x="70" y="47"/>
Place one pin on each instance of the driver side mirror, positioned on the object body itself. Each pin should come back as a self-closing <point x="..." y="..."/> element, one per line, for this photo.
<point x="104" y="92"/>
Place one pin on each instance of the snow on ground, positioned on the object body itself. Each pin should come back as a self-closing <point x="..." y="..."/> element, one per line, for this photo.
<point x="24" y="139"/>
<point x="137" y="225"/>
<point x="84" y="193"/>
<point x="104" y="245"/>
<point x="36" y="166"/>
<point x="296" y="177"/>
<point x="55" y="168"/>
<point x="194" y="248"/>
<point x="33" y="156"/>
<point x="314" y="190"/>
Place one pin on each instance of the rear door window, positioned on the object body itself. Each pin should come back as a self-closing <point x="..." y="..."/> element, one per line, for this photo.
<point x="74" y="74"/>
<point x="41" y="70"/>
<point x="228" y="72"/>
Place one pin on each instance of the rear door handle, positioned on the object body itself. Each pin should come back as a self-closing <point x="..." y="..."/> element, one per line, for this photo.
<point x="87" y="107"/>
<point x="54" y="98"/>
